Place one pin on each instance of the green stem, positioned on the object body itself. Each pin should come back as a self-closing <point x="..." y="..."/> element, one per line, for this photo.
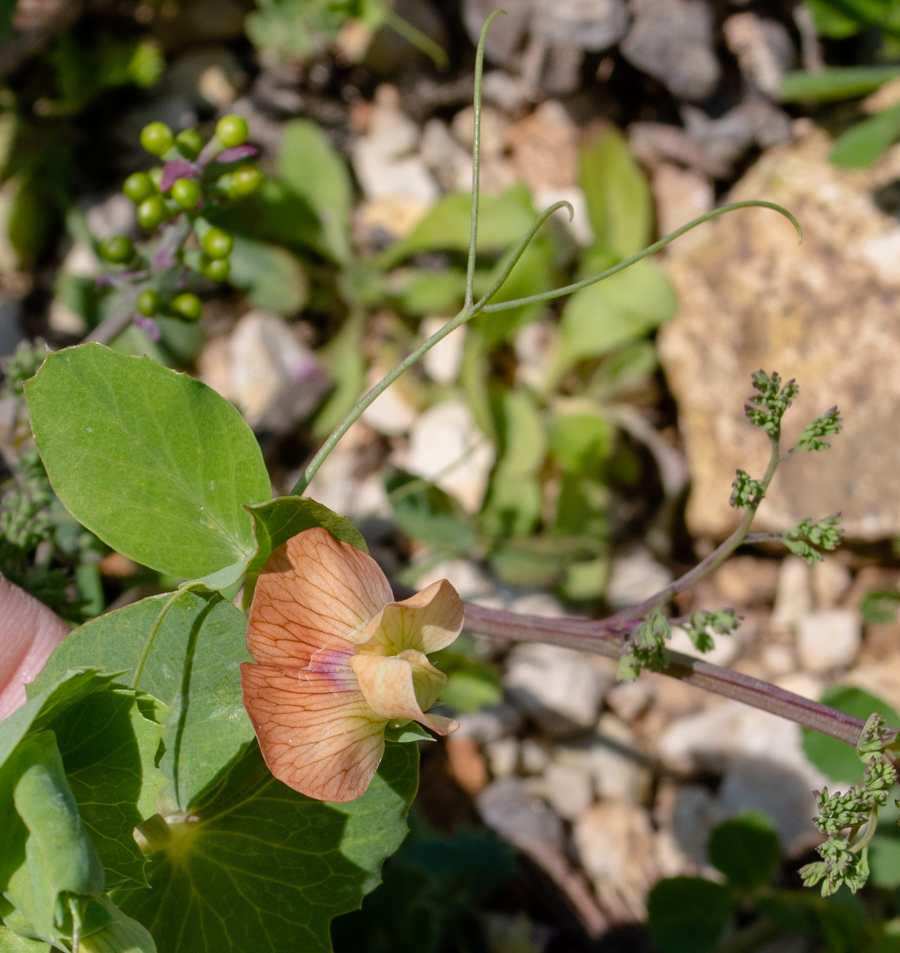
<point x="476" y="160"/>
<point x="414" y="36"/>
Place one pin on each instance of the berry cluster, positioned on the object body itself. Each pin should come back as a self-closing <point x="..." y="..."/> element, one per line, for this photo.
<point x="171" y="201"/>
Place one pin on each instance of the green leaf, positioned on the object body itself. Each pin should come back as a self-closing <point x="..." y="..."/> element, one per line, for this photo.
<point x="503" y="220"/>
<point x="190" y="661"/>
<point x="314" y="170"/>
<point x="614" y="312"/>
<point x="13" y="943"/>
<point x="834" y="758"/>
<point x="155" y="463"/>
<point x="581" y="439"/>
<point x="109" y="749"/>
<point x="425" y="512"/>
<point x="839" y="19"/>
<point x="617" y="193"/>
<point x="532" y="274"/>
<point x="688" y="914"/>
<point x="836" y="82"/>
<point x="860" y="146"/>
<point x="265" y="870"/>
<point x="271" y="277"/>
<point x="746" y="850"/>
<point x="280" y="519"/>
<point x="425" y="291"/>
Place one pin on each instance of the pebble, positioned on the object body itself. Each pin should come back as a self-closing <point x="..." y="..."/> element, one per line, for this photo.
<point x="695" y="813"/>
<point x="726" y="649"/>
<point x="504" y="91"/>
<point x="681" y="196"/>
<point x="778" y="659"/>
<point x="535" y="756"/>
<point x="447" y="160"/>
<point x="830" y="582"/>
<point x="466" y="764"/>
<point x="793" y="599"/>
<point x="763" y="49"/>
<point x="829" y="639"/>
<point x="446" y="446"/>
<point x="382" y="221"/>
<point x="748" y="581"/>
<point x="390" y="413"/>
<point x="616" y="846"/>
<point x="558" y="688"/>
<point x="672" y="40"/>
<point x="465" y="577"/>
<point x="443" y="362"/>
<point x="532" y="344"/>
<point x="635" y="577"/>
<point x="490" y="724"/>
<point x="630" y="699"/>
<point x="511" y="811"/>
<point x="580" y="224"/>
<point x="544" y="148"/>
<point x="593" y="25"/>
<point x="568" y="789"/>
<point x="502" y="756"/>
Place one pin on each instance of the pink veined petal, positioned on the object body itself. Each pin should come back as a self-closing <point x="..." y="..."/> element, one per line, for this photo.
<point x="428" y="621"/>
<point x="317" y="733"/>
<point x="400" y="686"/>
<point x="29" y="632"/>
<point x="313" y="593"/>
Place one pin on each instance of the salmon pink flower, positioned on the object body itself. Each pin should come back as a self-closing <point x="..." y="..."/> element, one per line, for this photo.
<point x="337" y="661"/>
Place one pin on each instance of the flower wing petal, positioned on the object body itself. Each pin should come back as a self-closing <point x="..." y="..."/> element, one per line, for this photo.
<point x="316" y="732"/>
<point x="314" y="592"/>
<point x="428" y="621"/>
<point x="400" y="686"/>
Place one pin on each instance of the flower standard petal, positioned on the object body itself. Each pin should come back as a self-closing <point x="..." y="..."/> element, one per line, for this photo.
<point x="428" y="621"/>
<point x="314" y="592"/>
<point x="316" y="731"/>
<point x="400" y="687"/>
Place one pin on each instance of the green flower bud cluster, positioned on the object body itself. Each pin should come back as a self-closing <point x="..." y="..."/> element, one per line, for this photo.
<point x="195" y="177"/>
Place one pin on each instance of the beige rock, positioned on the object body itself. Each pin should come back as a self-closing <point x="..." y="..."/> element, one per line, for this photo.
<point x="681" y="196"/>
<point x="829" y="639"/>
<point x="545" y="147"/>
<point x="823" y="312"/>
<point x="747" y="581"/>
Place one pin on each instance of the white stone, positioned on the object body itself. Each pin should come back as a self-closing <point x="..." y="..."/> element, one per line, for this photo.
<point x="390" y="413"/>
<point x="580" y="224"/>
<point x="463" y="575"/>
<point x="829" y="639"/>
<point x="535" y="756"/>
<point x="446" y="446"/>
<point x="793" y="599"/>
<point x="503" y="756"/>
<point x="490" y="724"/>
<point x="695" y="813"/>
<point x="630" y="699"/>
<point x="445" y="157"/>
<point x="532" y="344"/>
<point x="443" y="361"/>
<point x="556" y="687"/>
<point x="569" y="790"/>
<point x="778" y="659"/>
<point x="830" y="582"/>
<point x="634" y="578"/>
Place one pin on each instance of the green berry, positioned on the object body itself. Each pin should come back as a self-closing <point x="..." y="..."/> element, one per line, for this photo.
<point x="189" y="143"/>
<point x="218" y="244"/>
<point x="216" y="269"/>
<point x="186" y="193"/>
<point x="138" y="186"/>
<point x="117" y="249"/>
<point x="231" y="131"/>
<point x="152" y="211"/>
<point x="148" y="303"/>
<point x="157" y="138"/>
<point x="155" y="175"/>
<point x="244" y="181"/>
<point x="187" y="306"/>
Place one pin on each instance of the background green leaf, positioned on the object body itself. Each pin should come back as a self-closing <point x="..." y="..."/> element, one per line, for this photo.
<point x="745" y="849"/>
<point x="836" y="82"/>
<point x="271" y="277"/>
<point x="191" y="664"/>
<point x="834" y="758"/>
<point x="155" y="463"/>
<point x="265" y="870"/>
<point x="688" y="914"/>
<point x="861" y="145"/>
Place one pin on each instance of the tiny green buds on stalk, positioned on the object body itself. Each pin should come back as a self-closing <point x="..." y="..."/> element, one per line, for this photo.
<point x="187" y="306"/>
<point x="231" y="131"/>
<point x="138" y="186"/>
<point x="217" y="243"/>
<point x="117" y="250"/>
<point x="186" y="193"/>
<point x="148" y="303"/>
<point x="189" y="143"/>
<point x="152" y="211"/>
<point x="157" y="138"/>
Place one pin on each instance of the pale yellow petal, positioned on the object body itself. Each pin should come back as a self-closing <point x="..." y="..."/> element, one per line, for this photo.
<point x="314" y="592"/>
<point x="401" y="686"/>
<point x="316" y="731"/>
<point x="428" y="621"/>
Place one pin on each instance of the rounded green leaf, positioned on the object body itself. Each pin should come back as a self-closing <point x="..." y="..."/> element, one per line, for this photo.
<point x="746" y="850"/>
<point x="157" y="464"/>
<point x="688" y="914"/>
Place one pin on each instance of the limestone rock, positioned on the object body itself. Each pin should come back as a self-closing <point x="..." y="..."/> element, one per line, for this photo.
<point x="823" y="312"/>
<point x="829" y="639"/>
